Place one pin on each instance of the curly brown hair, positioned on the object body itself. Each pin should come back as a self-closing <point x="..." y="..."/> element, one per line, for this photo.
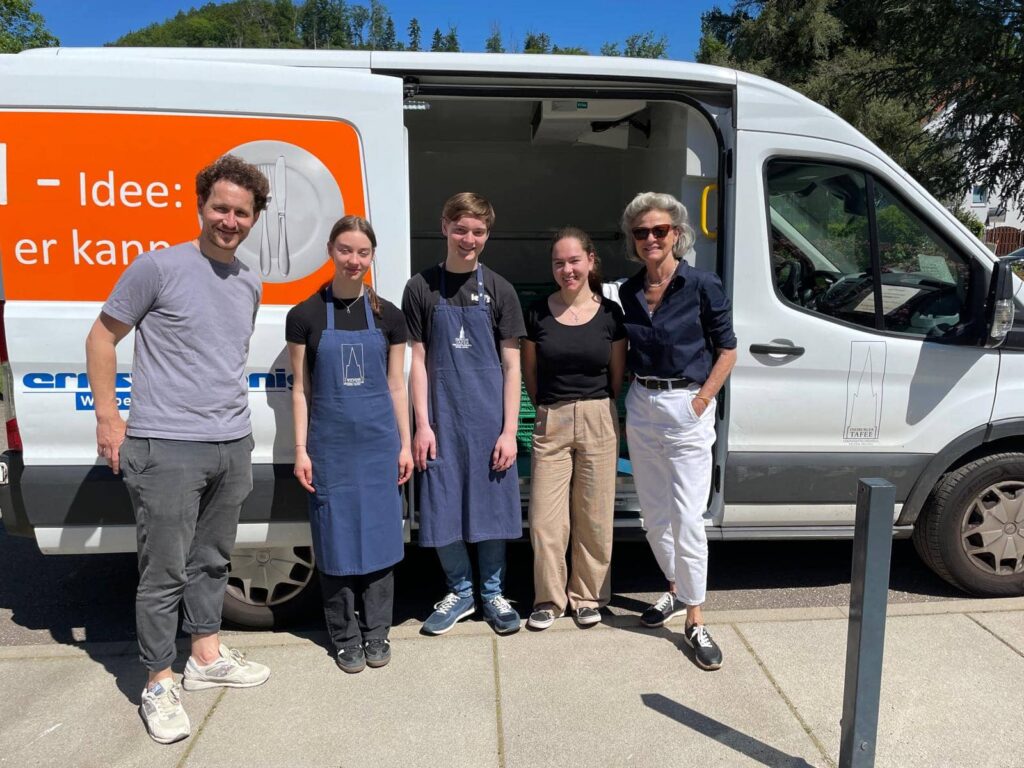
<point x="237" y="171"/>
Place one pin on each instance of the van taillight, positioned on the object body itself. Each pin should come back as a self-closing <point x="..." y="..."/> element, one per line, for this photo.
<point x="7" y="391"/>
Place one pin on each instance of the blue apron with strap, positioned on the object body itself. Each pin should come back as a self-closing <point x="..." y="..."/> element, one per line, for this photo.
<point x="460" y="497"/>
<point x="355" y="515"/>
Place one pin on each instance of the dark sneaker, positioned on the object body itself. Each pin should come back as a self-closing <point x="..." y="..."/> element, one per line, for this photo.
<point x="163" y="714"/>
<point x="352" y="659"/>
<point x="586" y="617"/>
<point x="230" y="670"/>
<point x="541" y="619"/>
<point x="499" y="613"/>
<point x="447" y="612"/>
<point x="378" y="652"/>
<point x="706" y="652"/>
<point x="660" y="612"/>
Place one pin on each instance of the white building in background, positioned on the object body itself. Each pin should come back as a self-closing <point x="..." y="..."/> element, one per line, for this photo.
<point x="1003" y="219"/>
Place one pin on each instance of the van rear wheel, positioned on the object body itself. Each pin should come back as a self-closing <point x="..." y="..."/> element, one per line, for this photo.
<point x="972" y="531"/>
<point x="269" y="588"/>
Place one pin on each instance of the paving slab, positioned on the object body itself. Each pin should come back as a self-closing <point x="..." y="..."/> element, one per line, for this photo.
<point x="1009" y="627"/>
<point x="80" y="711"/>
<point x="432" y="706"/>
<point x="618" y="697"/>
<point x="951" y="692"/>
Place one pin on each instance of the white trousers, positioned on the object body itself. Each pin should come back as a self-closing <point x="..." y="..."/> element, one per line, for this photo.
<point x="670" y="449"/>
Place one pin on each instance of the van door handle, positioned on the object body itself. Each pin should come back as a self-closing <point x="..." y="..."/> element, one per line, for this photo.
<point x="776" y="349"/>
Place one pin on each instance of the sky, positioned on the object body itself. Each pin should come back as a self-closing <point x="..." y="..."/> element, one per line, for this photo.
<point x="584" y="23"/>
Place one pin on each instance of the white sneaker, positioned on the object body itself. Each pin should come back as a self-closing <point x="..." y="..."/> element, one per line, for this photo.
<point x="231" y="670"/>
<point x="163" y="714"/>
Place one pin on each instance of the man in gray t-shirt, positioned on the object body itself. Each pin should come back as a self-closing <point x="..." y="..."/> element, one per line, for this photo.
<point x="186" y="448"/>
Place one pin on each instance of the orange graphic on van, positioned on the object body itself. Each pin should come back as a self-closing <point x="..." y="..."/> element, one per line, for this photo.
<point x="82" y="194"/>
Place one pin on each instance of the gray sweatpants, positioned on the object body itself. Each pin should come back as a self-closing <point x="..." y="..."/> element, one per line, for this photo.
<point x="187" y="496"/>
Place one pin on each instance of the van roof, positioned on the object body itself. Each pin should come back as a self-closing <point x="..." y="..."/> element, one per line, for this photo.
<point x="761" y="104"/>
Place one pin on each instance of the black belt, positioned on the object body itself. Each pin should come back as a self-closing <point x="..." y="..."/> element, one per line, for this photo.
<point x="664" y="384"/>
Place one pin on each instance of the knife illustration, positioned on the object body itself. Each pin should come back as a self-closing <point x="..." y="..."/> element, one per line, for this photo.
<point x="284" y="262"/>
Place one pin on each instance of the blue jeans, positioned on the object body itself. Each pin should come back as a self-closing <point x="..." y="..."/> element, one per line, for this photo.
<point x="490" y="557"/>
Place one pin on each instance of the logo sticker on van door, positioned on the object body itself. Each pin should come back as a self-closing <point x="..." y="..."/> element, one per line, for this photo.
<point x="82" y="194"/>
<point x="864" y="391"/>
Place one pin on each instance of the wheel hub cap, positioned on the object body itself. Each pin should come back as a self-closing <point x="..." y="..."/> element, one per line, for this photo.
<point x="269" y="576"/>
<point x="992" y="532"/>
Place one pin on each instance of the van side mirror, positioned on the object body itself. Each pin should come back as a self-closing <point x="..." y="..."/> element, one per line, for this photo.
<point x="999" y="307"/>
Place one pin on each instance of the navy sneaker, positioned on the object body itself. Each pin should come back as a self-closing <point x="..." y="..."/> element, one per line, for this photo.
<point x="447" y="612"/>
<point x="352" y="659"/>
<point x="499" y="613"/>
<point x="706" y="652"/>
<point x="378" y="652"/>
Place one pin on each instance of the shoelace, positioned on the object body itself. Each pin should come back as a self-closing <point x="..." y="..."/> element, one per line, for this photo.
<point x="237" y="657"/>
<point x="702" y="638"/>
<point x="450" y="601"/>
<point x="665" y="602"/>
<point x="501" y="604"/>
<point x="167" y="705"/>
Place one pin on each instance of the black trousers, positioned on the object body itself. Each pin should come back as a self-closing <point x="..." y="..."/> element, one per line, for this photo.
<point x="358" y="608"/>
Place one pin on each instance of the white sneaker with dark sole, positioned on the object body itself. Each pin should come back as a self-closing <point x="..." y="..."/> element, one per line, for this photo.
<point x="163" y="714"/>
<point x="231" y="670"/>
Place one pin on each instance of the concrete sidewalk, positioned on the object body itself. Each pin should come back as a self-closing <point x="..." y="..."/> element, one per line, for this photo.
<point x="612" y="695"/>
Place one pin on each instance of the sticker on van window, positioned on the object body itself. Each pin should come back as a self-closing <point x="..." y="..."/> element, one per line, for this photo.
<point x="82" y="194"/>
<point x="864" y="386"/>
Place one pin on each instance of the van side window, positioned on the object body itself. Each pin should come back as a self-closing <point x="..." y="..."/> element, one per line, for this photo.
<point x="822" y="243"/>
<point x="924" y="282"/>
<point x="821" y="253"/>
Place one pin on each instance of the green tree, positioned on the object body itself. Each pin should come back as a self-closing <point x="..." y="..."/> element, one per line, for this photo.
<point x="414" y="35"/>
<point x="437" y="41"/>
<point x="536" y="42"/>
<point x="827" y="50"/>
<point x="639" y="46"/>
<point x="960" y="66"/>
<point x="493" y="42"/>
<point x="451" y="40"/>
<point x="324" y="24"/>
<point x="21" y="27"/>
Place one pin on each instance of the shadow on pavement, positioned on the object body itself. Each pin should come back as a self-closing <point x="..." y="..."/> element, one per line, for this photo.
<point x="753" y="748"/>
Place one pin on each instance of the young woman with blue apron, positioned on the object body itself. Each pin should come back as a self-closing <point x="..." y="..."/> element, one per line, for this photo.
<point x="354" y="455"/>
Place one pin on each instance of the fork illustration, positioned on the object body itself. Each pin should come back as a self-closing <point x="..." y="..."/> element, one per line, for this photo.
<point x="267" y="169"/>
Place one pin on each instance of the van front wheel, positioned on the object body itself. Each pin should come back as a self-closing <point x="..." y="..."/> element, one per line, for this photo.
<point x="972" y="530"/>
<point x="269" y="588"/>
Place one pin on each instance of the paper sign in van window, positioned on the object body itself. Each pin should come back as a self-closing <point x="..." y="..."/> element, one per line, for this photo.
<point x="82" y="194"/>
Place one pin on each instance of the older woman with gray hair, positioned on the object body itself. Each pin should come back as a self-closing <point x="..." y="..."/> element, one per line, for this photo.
<point x="681" y="350"/>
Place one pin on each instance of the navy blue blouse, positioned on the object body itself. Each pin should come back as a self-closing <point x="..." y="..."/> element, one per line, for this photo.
<point x="679" y="340"/>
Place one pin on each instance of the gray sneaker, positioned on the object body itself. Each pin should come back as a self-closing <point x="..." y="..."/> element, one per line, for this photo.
<point x="231" y="670"/>
<point x="542" y="618"/>
<point x="664" y="609"/>
<point x="163" y="714"/>
<point x="587" y="617"/>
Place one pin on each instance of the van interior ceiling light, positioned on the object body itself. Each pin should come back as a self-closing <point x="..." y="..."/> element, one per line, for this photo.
<point x="415" y="105"/>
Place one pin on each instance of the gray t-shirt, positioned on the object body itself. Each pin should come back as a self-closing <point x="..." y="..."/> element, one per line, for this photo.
<point x="193" y="319"/>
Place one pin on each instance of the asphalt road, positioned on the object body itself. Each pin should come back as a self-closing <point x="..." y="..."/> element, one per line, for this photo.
<point x="64" y="599"/>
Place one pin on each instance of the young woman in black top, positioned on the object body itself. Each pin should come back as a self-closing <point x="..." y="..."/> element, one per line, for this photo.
<point x="573" y="363"/>
<point x="352" y="445"/>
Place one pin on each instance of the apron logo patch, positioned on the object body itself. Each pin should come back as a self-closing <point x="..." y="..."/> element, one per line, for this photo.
<point x="461" y="342"/>
<point x="353" y="373"/>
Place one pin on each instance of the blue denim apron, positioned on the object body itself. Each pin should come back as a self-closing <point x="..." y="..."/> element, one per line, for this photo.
<point x="355" y="515"/>
<point x="461" y="497"/>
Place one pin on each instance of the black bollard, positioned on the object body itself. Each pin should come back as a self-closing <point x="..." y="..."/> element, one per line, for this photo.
<point x="865" y="636"/>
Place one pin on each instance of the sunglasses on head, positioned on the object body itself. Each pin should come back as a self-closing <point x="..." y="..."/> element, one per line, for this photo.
<point x="661" y="231"/>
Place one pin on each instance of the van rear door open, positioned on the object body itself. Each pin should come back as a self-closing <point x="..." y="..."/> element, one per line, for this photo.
<point x="97" y="164"/>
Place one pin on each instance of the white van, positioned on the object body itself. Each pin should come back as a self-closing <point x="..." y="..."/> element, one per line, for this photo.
<point x="868" y="317"/>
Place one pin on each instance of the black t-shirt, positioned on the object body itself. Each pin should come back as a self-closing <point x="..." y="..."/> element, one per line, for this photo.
<point x="423" y="292"/>
<point x="308" y="320"/>
<point x="572" y="360"/>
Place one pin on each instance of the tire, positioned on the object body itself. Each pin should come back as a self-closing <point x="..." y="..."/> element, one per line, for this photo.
<point x="270" y="588"/>
<point x="971" y="531"/>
